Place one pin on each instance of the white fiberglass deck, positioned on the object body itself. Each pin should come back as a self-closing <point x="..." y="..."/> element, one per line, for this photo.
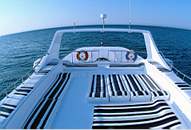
<point x="99" y="87"/>
<point x="75" y="106"/>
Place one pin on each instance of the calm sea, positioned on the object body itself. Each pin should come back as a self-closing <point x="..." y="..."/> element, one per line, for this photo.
<point x="19" y="51"/>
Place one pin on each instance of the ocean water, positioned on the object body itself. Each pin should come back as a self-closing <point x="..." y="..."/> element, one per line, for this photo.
<point x="19" y="51"/>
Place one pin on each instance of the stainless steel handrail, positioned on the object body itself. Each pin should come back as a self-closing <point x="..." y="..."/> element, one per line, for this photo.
<point x="13" y="85"/>
<point x="180" y="74"/>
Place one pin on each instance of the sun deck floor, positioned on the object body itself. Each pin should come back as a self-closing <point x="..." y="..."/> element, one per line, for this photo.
<point x="74" y="106"/>
<point x="67" y="100"/>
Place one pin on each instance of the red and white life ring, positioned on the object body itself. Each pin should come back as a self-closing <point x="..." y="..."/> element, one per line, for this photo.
<point x="82" y="55"/>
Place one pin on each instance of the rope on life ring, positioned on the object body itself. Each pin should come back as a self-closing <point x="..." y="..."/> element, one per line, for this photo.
<point x="131" y="56"/>
<point x="82" y="55"/>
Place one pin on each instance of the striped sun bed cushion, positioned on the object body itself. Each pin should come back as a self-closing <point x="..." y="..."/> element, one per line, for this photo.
<point x="42" y="112"/>
<point x="124" y="85"/>
<point x="155" y="114"/>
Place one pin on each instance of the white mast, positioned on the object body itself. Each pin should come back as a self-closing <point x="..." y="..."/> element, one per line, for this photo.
<point x="103" y="17"/>
<point x="130" y="15"/>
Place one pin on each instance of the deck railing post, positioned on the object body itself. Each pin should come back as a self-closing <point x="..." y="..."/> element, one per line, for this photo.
<point x="6" y="91"/>
<point x="108" y="54"/>
<point x="72" y="57"/>
<point x="183" y="77"/>
<point x="22" y="79"/>
<point x="91" y="58"/>
<point x="121" y="55"/>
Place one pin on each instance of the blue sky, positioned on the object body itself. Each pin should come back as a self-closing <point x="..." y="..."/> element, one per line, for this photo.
<point x="22" y="15"/>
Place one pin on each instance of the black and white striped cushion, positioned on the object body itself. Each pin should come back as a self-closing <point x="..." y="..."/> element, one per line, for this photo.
<point x="156" y="114"/>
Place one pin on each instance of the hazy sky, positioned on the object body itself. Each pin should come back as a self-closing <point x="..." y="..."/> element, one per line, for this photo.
<point x="21" y="15"/>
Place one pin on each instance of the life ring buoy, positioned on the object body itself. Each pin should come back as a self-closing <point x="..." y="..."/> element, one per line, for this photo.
<point x="131" y="56"/>
<point x="82" y="55"/>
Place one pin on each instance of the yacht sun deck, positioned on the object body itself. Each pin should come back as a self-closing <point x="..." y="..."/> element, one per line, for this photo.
<point x="99" y="87"/>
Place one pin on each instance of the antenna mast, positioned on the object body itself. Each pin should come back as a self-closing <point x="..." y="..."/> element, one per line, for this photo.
<point x="129" y="15"/>
<point x="103" y="17"/>
<point x="74" y="26"/>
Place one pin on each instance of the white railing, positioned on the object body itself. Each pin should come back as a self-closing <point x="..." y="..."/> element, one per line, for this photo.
<point x="13" y="85"/>
<point x="115" y="56"/>
<point x="180" y="74"/>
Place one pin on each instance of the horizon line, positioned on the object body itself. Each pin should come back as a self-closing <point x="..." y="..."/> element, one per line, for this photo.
<point x="86" y="25"/>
